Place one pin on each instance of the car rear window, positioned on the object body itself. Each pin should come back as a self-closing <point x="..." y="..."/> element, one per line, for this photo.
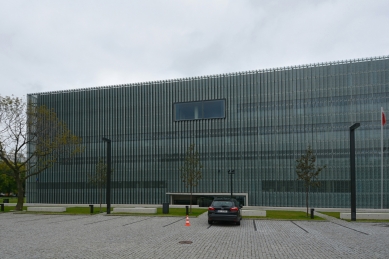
<point x="223" y="204"/>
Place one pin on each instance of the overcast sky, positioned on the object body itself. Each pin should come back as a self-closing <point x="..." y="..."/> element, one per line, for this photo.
<point x="60" y="45"/>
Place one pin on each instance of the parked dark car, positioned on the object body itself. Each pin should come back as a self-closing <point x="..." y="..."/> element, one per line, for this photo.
<point x="225" y="209"/>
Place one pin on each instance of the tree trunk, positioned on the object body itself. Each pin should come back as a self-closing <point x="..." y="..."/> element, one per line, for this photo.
<point x="19" y="204"/>
<point x="191" y="191"/>
<point x="306" y="199"/>
<point x="101" y="196"/>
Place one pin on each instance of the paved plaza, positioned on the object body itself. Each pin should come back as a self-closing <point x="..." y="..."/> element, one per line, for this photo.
<point x="102" y="236"/>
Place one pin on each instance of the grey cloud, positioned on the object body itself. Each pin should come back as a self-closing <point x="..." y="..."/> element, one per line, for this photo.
<point x="48" y="46"/>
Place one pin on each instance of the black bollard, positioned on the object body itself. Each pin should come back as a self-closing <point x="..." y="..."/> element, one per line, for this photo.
<point x="312" y="213"/>
<point x="187" y="210"/>
<point x="91" y="208"/>
<point x="2" y="206"/>
<point x="165" y="208"/>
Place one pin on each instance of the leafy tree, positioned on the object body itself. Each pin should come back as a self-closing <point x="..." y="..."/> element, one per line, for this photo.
<point x="32" y="139"/>
<point x="191" y="170"/>
<point x="7" y="182"/>
<point x="308" y="172"/>
<point x="99" y="178"/>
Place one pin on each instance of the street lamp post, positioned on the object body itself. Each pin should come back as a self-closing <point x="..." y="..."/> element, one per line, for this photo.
<point x="108" y="195"/>
<point x="231" y="172"/>
<point x="352" y="172"/>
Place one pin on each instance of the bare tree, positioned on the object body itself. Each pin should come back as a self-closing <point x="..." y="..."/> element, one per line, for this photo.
<point x="32" y="139"/>
<point x="99" y="178"/>
<point x="191" y="170"/>
<point x="308" y="172"/>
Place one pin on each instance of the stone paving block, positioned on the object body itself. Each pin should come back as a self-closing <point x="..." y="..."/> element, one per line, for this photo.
<point x="113" y="236"/>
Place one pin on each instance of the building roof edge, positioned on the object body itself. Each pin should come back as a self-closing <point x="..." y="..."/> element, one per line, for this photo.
<point x="339" y="62"/>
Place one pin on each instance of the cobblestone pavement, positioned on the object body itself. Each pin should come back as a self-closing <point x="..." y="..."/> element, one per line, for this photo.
<point x="101" y="236"/>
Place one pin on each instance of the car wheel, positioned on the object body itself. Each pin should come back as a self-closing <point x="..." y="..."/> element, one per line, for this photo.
<point x="238" y="223"/>
<point x="210" y="222"/>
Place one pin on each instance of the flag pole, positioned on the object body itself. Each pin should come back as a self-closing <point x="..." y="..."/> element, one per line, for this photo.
<point x="382" y="157"/>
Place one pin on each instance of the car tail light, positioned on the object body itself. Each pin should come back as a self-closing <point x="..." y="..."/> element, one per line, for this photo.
<point x="211" y="208"/>
<point x="234" y="209"/>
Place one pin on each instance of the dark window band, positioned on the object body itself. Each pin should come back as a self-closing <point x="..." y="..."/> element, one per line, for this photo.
<point x="214" y="109"/>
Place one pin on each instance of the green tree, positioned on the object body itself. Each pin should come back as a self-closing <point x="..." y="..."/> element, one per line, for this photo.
<point x="191" y="170"/>
<point x="99" y="178"/>
<point x="32" y="139"/>
<point x="308" y="172"/>
<point x="7" y="182"/>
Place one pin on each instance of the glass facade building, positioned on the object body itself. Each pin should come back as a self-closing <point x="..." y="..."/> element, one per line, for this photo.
<point x="256" y="122"/>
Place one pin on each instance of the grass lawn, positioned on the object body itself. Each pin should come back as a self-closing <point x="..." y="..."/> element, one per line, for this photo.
<point x="178" y="212"/>
<point x="175" y="212"/>
<point x="369" y="220"/>
<point x="11" y="199"/>
<point x="287" y="215"/>
<point x="332" y="214"/>
<point x="181" y="212"/>
<point x="290" y="215"/>
<point x="337" y="215"/>
<point x="11" y="208"/>
<point x="69" y="211"/>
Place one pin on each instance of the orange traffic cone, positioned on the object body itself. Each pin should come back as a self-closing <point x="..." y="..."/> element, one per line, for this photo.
<point x="187" y="223"/>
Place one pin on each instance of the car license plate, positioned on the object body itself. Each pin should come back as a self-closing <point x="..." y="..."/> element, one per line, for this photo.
<point x="222" y="211"/>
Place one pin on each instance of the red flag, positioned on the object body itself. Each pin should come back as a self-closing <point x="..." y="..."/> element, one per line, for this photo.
<point x="383" y="120"/>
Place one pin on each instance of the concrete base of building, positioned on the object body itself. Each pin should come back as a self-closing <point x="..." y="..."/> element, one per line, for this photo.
<point x="149" y="206"/>
<point x="379" y="216"/>
<point x="102" y="205"/>
<point x="257" y="213"/>
<point x="135" y="210"/>
<point x="47" y="209"/>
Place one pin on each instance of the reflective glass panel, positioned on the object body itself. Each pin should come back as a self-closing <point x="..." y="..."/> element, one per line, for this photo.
<point x="199" y="110"/>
